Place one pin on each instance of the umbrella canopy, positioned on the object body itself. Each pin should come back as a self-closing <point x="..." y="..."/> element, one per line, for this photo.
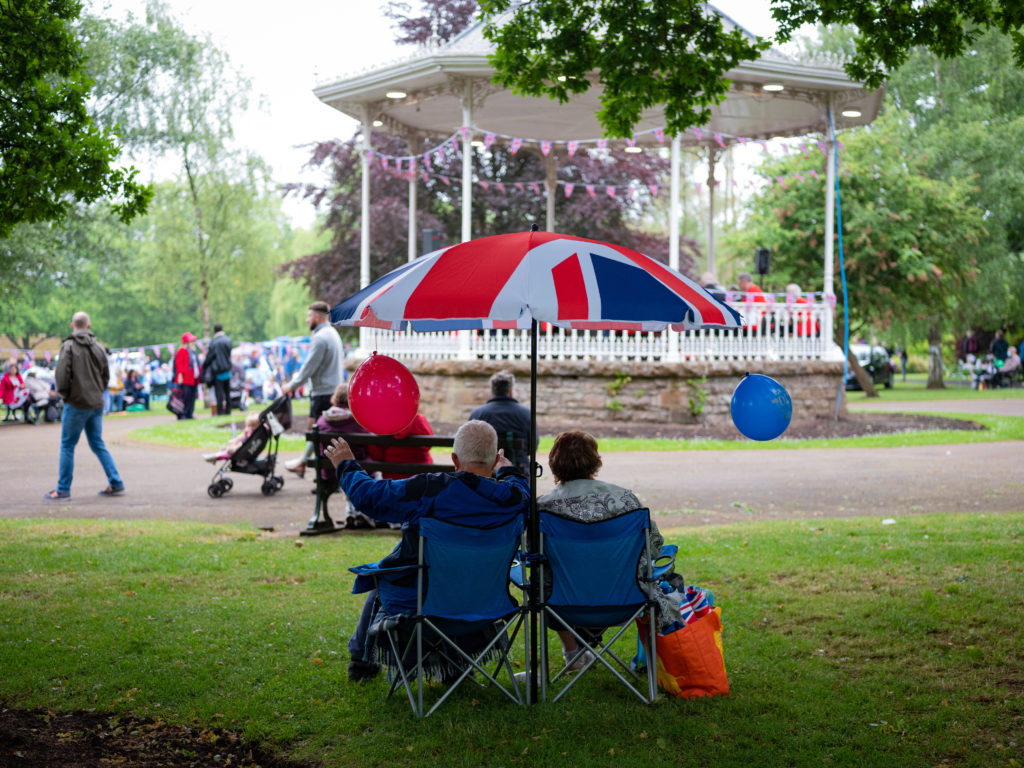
<point x="509" y="281"/>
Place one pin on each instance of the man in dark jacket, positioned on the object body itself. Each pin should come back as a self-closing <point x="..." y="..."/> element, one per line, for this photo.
<point x="470" y="495"/>
<point x="217" y="368"/>
<point x="505" y="414"/>
<point x="82" y="376"/>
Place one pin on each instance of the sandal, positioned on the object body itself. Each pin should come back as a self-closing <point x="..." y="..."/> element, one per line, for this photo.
<point x="112" y="491"/>
<point x="55" y="495"/>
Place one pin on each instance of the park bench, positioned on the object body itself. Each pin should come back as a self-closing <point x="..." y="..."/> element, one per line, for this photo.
<point x="321" y="521"/>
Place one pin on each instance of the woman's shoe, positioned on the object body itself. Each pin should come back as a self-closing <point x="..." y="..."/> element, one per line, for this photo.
<point x="298" y="466"/>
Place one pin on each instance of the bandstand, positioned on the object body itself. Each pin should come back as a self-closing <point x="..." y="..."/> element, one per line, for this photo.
<point x="443" y="93"/>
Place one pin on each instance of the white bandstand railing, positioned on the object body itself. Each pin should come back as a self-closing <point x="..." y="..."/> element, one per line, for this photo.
<point x="777" y="331"/>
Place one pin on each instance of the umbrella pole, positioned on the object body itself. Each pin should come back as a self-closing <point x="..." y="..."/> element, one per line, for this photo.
<point x="533" y="527"/>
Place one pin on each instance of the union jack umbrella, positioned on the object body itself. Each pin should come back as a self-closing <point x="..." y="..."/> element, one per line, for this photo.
<point x="517" y="280"/>
<point x="509" y="281"/>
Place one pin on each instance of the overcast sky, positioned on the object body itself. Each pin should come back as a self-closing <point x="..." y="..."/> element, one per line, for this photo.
<point x="285" y="48"/>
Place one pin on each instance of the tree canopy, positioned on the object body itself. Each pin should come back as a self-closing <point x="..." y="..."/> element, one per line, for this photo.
<point x="52" y="154"/>
<point x="675" y="54"/>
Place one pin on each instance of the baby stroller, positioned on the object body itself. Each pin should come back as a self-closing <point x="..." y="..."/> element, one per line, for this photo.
<point x="246" y="458"/>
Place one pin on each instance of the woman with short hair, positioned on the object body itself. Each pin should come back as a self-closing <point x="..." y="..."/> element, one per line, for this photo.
<point x="574" y="461"/>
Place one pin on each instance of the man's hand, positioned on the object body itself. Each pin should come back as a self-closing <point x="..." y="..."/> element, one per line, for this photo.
<point x="338" y="451"/>
<point x="501" y="461"/>
<point x="286" y="389"/>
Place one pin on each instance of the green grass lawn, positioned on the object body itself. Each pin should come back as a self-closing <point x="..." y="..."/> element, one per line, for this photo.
<point x="913" y="390"/>
<point x="848" y="642"/>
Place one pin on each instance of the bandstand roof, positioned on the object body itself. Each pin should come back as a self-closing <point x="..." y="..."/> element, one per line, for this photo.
<point x="434" y="77"/>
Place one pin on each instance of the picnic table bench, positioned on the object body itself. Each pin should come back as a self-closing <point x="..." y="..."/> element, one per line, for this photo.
<point x="321" y="521"/>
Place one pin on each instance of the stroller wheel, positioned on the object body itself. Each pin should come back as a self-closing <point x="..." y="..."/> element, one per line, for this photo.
<point x="278" y="482"/>
<point x="268" y="488"/>
<point x="227" y="484"/>
<point x="215" y="490"/>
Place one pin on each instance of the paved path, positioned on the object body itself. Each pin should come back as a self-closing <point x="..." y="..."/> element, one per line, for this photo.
<point x="684" y="487"/>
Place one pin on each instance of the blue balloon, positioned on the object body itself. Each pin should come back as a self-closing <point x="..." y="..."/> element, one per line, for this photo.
<point x="761" y="407"/>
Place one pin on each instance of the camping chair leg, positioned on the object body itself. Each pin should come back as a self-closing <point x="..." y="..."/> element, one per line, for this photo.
<point x="403" y="676"/>
<point x="652" y="656"/>
<point x="599" y="656"/>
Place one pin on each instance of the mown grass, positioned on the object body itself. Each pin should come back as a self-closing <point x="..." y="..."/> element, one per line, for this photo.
<point x="848" y="642"/>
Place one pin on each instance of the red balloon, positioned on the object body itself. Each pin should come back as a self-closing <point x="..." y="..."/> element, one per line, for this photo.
<point x="383" y="395"/>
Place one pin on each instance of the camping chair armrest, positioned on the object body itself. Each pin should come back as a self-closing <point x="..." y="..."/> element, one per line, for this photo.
<point x="665" y="561"/>
<point x="367" y="575"/>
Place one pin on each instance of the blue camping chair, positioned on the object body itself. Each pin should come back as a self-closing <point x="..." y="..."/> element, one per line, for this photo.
<point x="594" y="584"/>
<point x="459" y="621"/>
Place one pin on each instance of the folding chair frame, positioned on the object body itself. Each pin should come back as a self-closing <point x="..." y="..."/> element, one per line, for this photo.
<point x="602" y="649"/>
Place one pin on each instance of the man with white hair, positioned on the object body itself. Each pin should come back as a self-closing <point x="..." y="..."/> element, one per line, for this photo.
<point x="485" y="489"/>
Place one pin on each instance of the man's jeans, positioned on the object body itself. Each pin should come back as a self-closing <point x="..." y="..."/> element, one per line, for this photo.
<point x="73" y="421"/>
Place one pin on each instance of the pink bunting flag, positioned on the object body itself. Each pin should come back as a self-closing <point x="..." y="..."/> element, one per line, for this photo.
<point x="535" y="187"/>
<point x="591" y="191"/>
<point x="823" y="147"/>
<point x="519" y="185"/>
<point x="446" y="181"/>
<point x="500" y="186"/>
<point x="698" y="185"/>
<point x="516" y="144"/>
<point x="170" y="348"/>
<point x="814" y="173"/>
<point x="785" y="148"/>
<point x="384" y="162"/>
<point x="485" y="185"/>
<point x="47" y="355"/>
<point x="488" y="140"/>
<point x="764" y="145"/>
<point x="156" y="351"/>
<point x="798" y="176"/>
<point x="610" y="191"/>
<point x="426" y="161"/>
<point x="659" y="134"/>
<point x="569" y="188"/>
<point x="719" y="139"/>
<point x="369" y="155"/>
<point x="804" y="149"/>
<point x="545" y="148"/>
<point x="602" y="143"/>
<point x="697" y="133"/>
<point x="782" y="181"/>
<point x="631" y="142"/>
<point x="464" y="130"/>
<point x="654" y="190"/>
<point x="741" y="140"/>
<point x="831" y="301"/>
<point x="573" y="146"/>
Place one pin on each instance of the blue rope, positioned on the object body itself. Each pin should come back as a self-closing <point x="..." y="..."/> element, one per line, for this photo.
<point x="842" y="265"/>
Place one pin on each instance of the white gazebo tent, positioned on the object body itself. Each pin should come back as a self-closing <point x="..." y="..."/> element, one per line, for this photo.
<point x="446" y="87"/>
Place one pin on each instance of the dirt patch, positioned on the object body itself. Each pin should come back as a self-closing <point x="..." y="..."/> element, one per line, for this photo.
<point x="43" y="739"/>
<point x="854" y="425"/>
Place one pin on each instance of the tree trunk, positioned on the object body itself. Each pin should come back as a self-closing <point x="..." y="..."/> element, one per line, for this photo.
<point x="862" y="376"/>
<point x="201" y="245"/>
<point x="935" y="366"/>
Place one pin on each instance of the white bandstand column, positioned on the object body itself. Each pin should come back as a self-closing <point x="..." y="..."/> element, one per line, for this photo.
<point x="364" y="221"/>
<point x="412" y="207"/>
<point x="550" y="177"/>
<point x="673" y="211"/>
<point x="672" y="337"/>
<point x="828" y="287"/>
<point x="467" y="162"/>
<point x="712" y="156"/>
<point x="467" y="191"/>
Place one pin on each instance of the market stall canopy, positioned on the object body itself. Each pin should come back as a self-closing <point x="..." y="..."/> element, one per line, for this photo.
<point x="422" y="96"/>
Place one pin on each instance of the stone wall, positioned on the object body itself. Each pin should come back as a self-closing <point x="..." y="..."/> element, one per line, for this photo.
<point x="655" y="393"/>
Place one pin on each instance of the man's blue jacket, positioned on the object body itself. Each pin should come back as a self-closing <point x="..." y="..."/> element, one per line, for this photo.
<point x="459" y="497"/>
